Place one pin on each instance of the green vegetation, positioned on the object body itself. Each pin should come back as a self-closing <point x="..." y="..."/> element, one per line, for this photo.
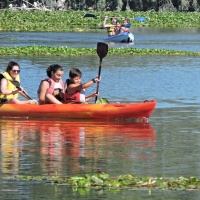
<point x="75" y="21"/>
<point x="103" y="181"/>
<point x="68" y="51"/>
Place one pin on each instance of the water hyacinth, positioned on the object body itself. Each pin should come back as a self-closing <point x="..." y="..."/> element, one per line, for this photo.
<point x="128" y="181"/>
<point x="64" y="51"/>
<point x="34" y="20"/>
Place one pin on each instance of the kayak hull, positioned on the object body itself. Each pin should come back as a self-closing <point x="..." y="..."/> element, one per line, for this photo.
<point x="79" y="111"/>
<point x="122" y="37"/>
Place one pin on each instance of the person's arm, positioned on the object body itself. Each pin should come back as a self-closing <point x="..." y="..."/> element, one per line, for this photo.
<point x="65" y="86"/>
<point x="43" y="89"/>
<point x="90" y="97"/>
<point x="125" y="29"/>
<point x="104" y="22"/>
<point x="107" y="25"/>
<point x="52" y="99"/>
<point x="4" y="89"/>
<point x="72" y="88"/>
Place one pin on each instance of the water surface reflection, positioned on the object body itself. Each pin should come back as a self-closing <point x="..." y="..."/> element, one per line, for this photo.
<point x="71" y="147"/>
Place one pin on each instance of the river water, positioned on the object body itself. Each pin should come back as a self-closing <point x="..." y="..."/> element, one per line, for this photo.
<point x="167" y="146"/>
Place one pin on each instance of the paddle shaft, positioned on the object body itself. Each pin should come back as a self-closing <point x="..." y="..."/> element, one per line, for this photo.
<point x="94" y="16"/>
<point x="17" y="85"/>
<point x="26" y="95"/>
<point x="99" y="74"/>
<point x="140" y="19"/>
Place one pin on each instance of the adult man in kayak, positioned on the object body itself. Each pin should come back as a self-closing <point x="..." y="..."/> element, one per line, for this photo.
<point x="51" y="89"/>
<point x="8" y="89"/>
<point x="74" y="90"/>
<point x="110" y="26"/>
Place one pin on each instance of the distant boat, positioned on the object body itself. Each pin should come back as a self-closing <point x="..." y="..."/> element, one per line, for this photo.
<point x="126" y="37"/>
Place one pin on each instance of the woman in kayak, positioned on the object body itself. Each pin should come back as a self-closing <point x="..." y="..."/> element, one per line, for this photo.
<point x="51" y="89"/>
<point x="10" y="86"/>
<point x="74" y="90"/>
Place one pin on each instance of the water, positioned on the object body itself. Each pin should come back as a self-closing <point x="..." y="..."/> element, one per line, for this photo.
<point x="167" y="146"/>
<point x="154" y="38"/>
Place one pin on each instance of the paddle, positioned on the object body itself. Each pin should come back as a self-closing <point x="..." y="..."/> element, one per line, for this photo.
<point x="102" y="101"/>
<point x="90" y="15"/>
<point x="17" y="85"/>
<point x="139" y="19"/>
<point x="102" y="50"/>
<point x="94" y="16"/>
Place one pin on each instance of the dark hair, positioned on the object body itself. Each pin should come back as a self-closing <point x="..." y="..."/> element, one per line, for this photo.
<point x="125" y="19"/>
<point x="53" y="68"/>
<point x="74" y="72"/>
<point x="11" y="64"/>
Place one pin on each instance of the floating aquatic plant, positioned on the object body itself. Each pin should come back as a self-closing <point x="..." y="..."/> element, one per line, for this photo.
<point x="128" y="181"/>
<point x="32" y="20"/>
<point x="63" y="51"/>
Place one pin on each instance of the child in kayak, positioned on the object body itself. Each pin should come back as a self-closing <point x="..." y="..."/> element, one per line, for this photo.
<point x="74" y="90"/>
<point x="10" y="86"/>
<point x="51" y="89"/>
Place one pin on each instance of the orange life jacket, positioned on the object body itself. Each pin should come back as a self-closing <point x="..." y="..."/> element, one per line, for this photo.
<point x="51" y="85"/>
<point x="78" y="97"/>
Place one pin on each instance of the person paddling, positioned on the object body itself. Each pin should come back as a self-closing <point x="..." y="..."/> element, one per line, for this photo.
<point x="74" y="90"/>
<point x="10" y="86"/>
<point x="110" y="26"/>
<point x="51" y="89"/>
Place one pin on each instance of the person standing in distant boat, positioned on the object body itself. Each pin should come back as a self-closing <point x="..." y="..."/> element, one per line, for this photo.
<point x="110" y="26"/>
<point x="51" y="90"/>
<point x="126" y="26"/>
<point x="8" y="89"/>
<point x="74" y="90"/>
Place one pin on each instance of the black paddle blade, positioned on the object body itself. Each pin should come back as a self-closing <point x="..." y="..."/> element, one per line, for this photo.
<point x="102" y="49"/>
<point x="89" y="15"/>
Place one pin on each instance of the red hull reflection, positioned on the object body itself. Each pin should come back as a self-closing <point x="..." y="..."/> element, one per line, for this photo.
<point x="59" y="142"/>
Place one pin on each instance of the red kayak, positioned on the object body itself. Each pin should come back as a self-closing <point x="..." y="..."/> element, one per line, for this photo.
<point x="80" y="111"/>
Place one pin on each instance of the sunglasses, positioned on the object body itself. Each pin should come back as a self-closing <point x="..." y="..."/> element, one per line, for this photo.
<point x="16" y="71"/>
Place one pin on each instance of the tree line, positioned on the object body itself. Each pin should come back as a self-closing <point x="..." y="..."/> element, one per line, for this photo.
<point x="107" y="5"/>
